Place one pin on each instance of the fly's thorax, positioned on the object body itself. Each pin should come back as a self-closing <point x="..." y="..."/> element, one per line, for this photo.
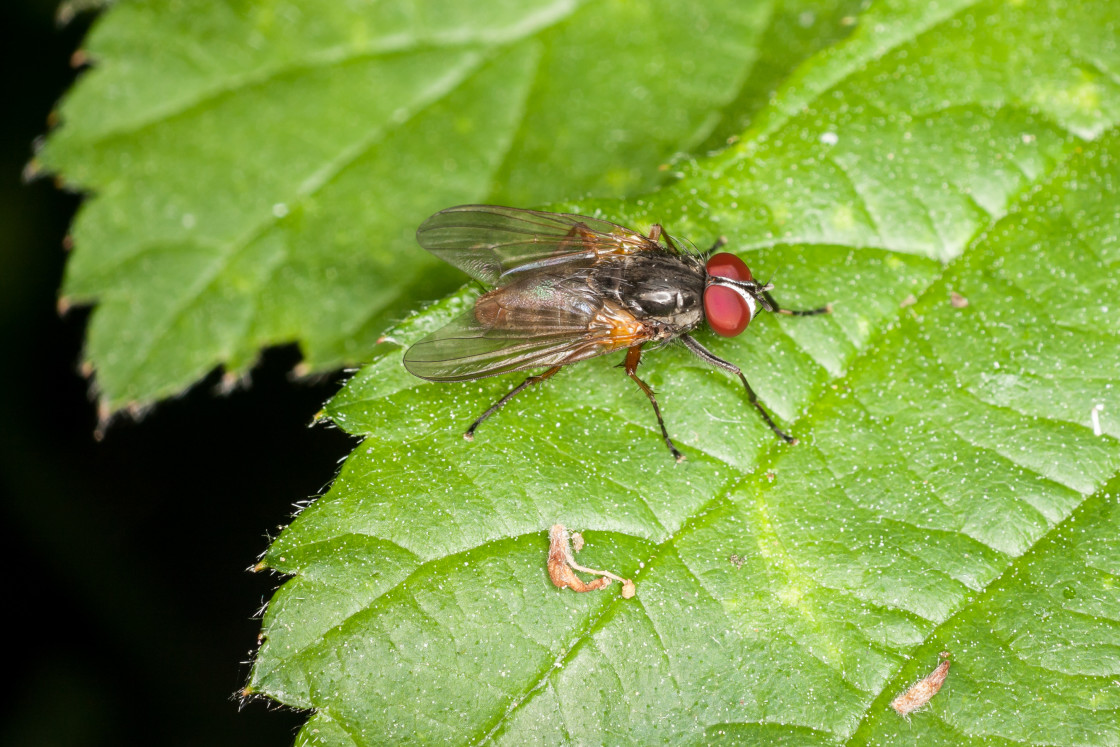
<point x="666" y="289"/>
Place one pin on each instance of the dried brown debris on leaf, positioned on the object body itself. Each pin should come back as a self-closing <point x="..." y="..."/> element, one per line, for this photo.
<point x="922" y="691"/>
<point x="562" y="566"/>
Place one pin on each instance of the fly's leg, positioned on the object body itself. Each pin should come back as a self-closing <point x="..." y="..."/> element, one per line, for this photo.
<point x="826" y="309"/>
<point x="469" y="435"/>
<point x="720" y="242"/>
<point x="633" y="358"/>
<point x="657" y="233"/>
<point x="706" y="356"/>
<point x="579" y="234"/>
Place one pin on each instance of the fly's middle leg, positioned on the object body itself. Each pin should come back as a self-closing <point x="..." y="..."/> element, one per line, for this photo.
<point x="705" y="355"/>
<point x="633" y="358"/>
<point x="469" y="435"/>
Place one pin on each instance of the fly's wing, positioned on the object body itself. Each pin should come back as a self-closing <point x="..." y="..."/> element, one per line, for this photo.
<point x="491" y="243"/>
<point x="509" y="330"/>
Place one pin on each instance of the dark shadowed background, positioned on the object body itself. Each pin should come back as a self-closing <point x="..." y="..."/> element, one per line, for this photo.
<point x="127" y="587"/>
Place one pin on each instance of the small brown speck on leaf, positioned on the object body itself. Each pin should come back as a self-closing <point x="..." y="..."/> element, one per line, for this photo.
<point x="562" y="567"/>
<point x="922" y="691"/>
<point x="957" y="300"/>
<point x="908" y="301"/>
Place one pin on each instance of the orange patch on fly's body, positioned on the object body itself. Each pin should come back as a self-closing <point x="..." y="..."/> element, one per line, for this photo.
<point x="624" y="330"/>
<point x="488" y="309"/>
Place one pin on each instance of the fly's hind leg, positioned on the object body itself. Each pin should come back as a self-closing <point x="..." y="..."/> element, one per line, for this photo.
<point x="579" y="234"/>
<point x="633" y="358"/>
<point x="469" y="435"/>
<point x="657" y="233"/>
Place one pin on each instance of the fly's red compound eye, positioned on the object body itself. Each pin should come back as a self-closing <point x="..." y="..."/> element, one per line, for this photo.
<point x="727" y="310"/>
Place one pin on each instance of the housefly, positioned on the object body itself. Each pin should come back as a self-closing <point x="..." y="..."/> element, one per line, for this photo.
<point x="565" y="288"/>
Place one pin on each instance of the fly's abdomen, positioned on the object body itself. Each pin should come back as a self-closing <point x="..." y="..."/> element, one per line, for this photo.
<point x="541" y="303"/>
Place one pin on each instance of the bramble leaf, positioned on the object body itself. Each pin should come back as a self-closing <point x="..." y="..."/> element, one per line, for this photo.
<point x="946" y="178"/>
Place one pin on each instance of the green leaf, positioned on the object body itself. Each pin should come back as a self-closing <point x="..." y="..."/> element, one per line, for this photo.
<point x="259" y="169"/>
<point x="796" y="31"/>
<point x="949" y="492"/>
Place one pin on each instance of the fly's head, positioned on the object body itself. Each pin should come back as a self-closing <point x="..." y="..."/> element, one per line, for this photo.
<point x="731" y="295"/>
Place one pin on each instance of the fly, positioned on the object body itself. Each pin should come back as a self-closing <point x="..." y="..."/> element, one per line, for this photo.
<point x="565" y="288"/>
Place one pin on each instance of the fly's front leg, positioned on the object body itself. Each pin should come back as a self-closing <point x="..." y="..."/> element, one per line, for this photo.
<point x="826" y="309"/>
<point x="720" y="243"/>
<point x="633" y="358"/>
<point x="708" y="357"/>
<point x="469" y="435"/>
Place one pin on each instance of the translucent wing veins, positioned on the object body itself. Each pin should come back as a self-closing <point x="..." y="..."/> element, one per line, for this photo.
<point x="490" y="243"/>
